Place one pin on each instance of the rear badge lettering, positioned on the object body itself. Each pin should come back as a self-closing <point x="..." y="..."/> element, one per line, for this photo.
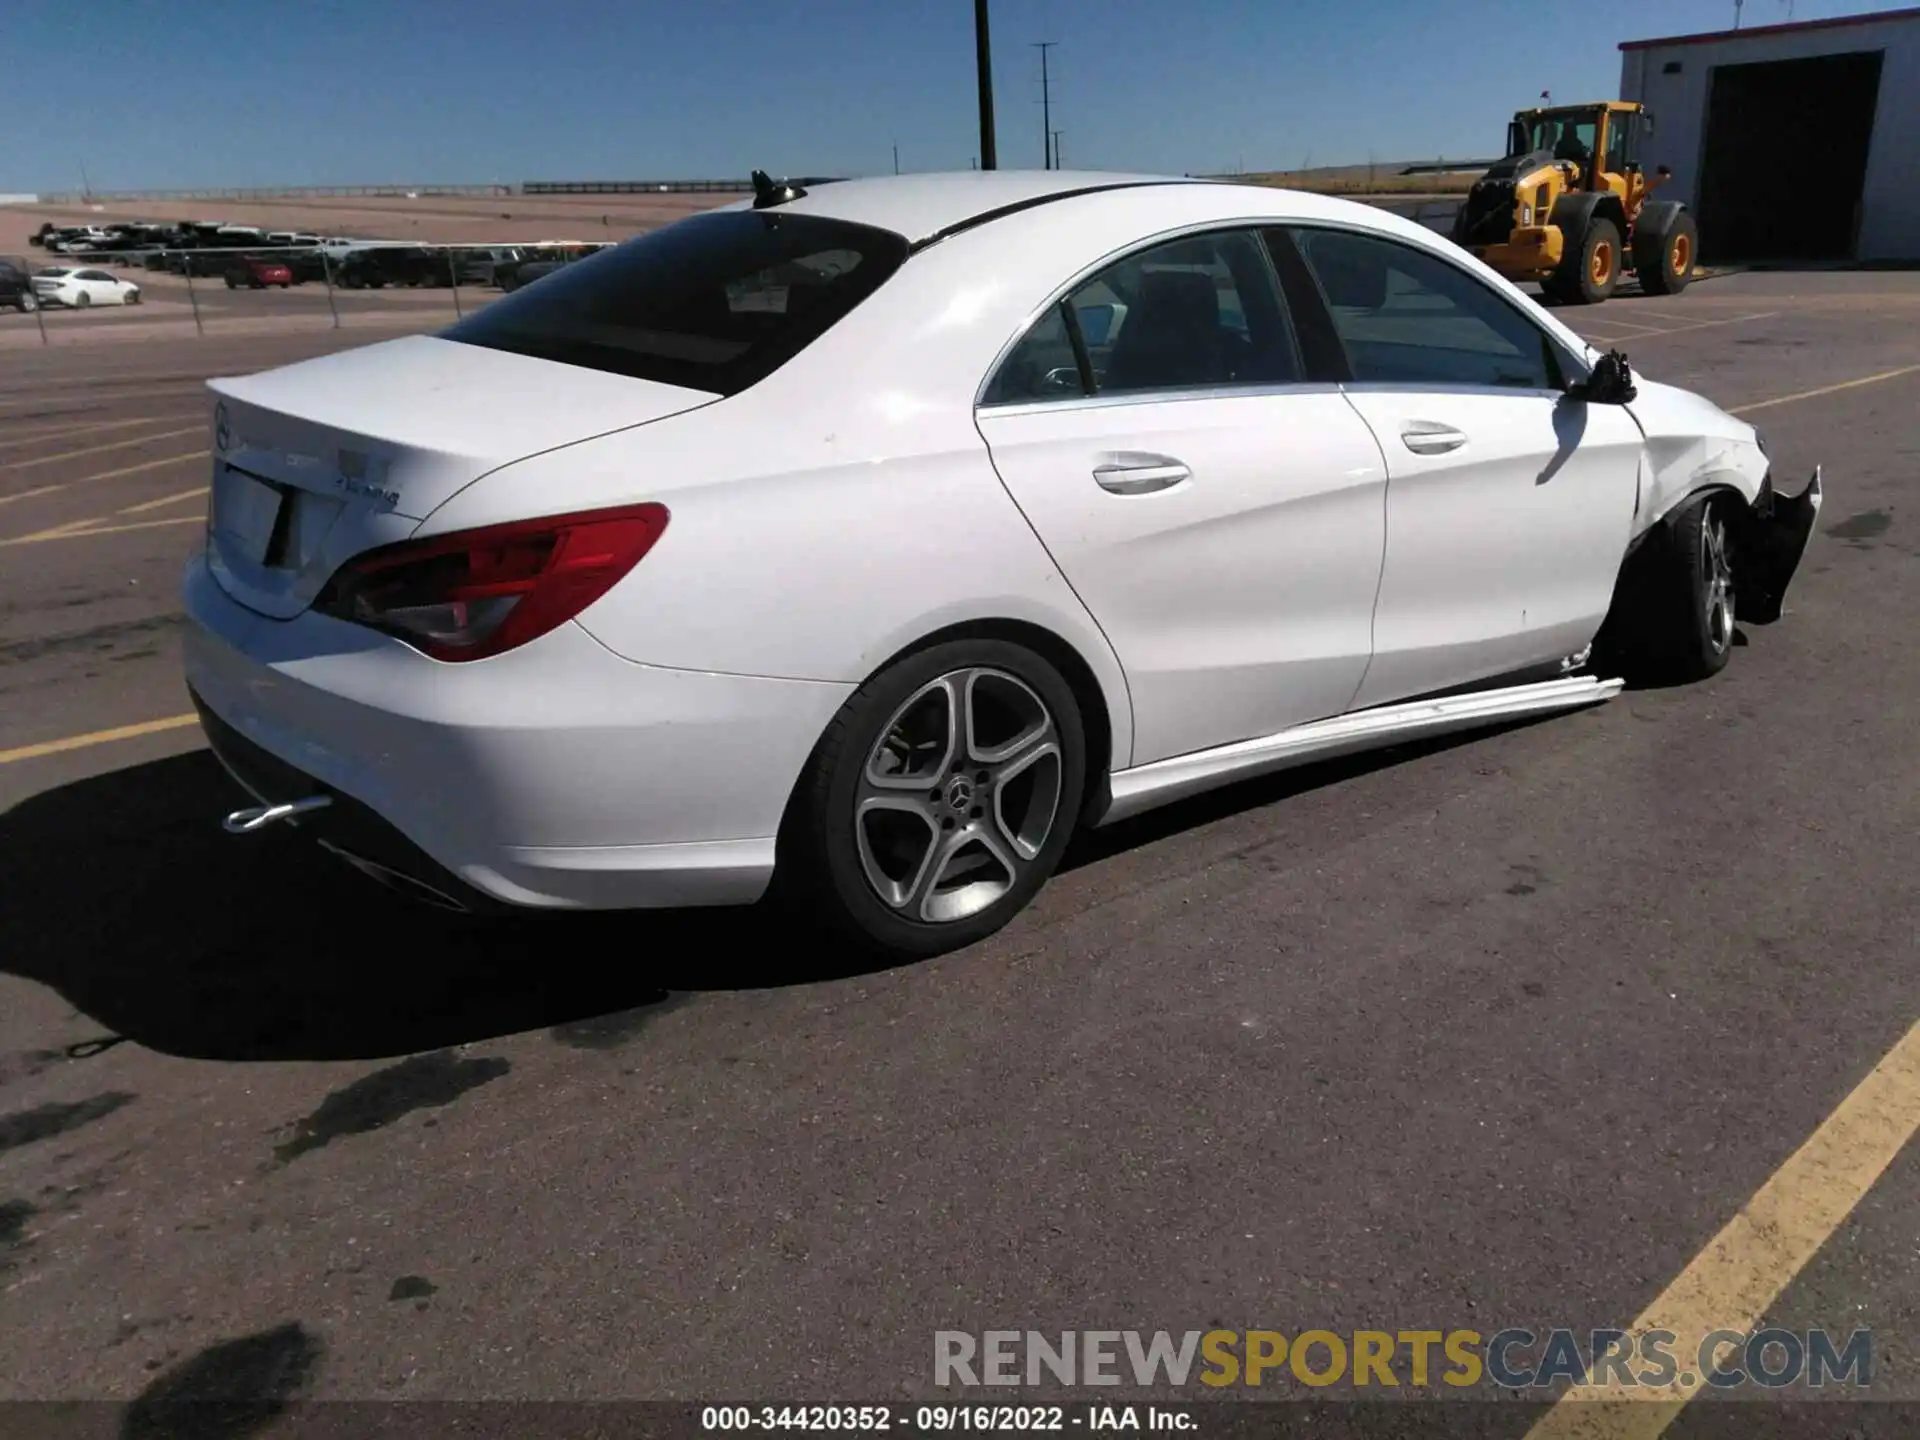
<point x="352" y="479"/>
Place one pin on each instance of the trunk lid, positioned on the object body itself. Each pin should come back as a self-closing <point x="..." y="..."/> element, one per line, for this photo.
<point x="319" y="461"/>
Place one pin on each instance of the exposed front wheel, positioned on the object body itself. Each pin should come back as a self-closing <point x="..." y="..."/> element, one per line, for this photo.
<point x="939" y="800"/>
<point x="1673" y="616"/>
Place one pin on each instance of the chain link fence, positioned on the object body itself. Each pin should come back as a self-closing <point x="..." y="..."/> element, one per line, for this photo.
<point x="347" y="273"/>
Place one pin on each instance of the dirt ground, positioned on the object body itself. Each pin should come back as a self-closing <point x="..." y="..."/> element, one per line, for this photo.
<point x="437" y="218"/>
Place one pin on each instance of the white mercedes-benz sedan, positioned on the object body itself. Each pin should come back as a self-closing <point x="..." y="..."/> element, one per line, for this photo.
<point x="862" y="545"/>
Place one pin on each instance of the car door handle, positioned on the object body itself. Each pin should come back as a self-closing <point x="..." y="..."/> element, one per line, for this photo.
<point x="1425" y="437"/>
<point x="1141" y="477"/>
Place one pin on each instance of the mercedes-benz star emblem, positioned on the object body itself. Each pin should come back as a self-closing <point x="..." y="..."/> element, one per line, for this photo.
<point x="960" y="794"/>
<point x="222" y="430"/>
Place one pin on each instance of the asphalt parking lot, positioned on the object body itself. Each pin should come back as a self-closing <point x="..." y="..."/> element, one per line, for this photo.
<point x="1497" y="1032"/>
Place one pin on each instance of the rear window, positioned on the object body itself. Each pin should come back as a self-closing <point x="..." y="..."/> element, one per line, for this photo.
<point x="715" y="302"/>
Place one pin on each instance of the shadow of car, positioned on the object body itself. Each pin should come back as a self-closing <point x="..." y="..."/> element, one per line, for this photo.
<point x="127" y="898"/>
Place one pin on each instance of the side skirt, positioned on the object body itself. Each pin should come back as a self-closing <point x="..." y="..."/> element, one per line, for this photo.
<point x="1146" y="786"/>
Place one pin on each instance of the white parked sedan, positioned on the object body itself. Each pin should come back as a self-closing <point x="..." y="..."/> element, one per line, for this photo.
<point x="867" y="543"/>
<point x="62" y="285"/>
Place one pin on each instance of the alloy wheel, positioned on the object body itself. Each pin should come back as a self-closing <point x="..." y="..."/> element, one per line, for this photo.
<point x="957" y="798"/>
<point x="1717" y="568"/>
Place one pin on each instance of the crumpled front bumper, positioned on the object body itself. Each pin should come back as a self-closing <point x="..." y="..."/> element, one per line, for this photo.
<point x="1769" y="540"/>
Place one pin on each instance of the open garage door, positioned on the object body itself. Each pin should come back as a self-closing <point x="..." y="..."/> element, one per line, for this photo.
<point x="1786" y="158"/>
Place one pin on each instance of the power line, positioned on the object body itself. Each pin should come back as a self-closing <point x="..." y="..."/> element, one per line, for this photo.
<point x="1046" y="105"/>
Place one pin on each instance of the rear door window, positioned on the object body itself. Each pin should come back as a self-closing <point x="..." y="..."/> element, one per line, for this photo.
<point x="1200" y="313"/>
<point x="715" y="302"/>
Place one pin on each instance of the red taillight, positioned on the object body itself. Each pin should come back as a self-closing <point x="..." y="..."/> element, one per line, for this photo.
<point x="476" y="593"/>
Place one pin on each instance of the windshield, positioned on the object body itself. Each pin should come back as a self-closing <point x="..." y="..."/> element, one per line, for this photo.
<point x="1567" y="136"/>
<point x="715" y="302"/>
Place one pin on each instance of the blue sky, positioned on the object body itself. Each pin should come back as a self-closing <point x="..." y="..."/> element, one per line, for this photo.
<point x="150" y="94"/>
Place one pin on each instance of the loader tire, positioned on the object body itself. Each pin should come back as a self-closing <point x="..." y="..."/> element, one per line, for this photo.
<point x="1590" y="271"/>
<point x="1664" y="258"/>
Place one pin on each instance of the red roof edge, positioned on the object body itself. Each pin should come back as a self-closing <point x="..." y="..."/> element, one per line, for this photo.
<point x="1786" y="28"/>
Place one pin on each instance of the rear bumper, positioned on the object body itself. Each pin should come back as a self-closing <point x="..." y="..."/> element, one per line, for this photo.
<point x="345" y="827"/>
<point x="557" y="776"/>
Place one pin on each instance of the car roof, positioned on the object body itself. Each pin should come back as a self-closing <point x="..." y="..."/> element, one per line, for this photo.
<point x="921" y="206"/>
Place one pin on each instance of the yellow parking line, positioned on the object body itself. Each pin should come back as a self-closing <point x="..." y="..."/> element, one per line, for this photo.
<point x="1825" y="390"/>
<point x="1631" y="329"/>
<point x="57" y="432"/>
<point x="163" y="500"/>
<point x="98" y="737"/>
<point x="106" y="475"/>
<point x="1685" y="329"/>
<point x="87" y="529"/>
<point x="1743" y="1270"/>
<point x="102" y="449"/>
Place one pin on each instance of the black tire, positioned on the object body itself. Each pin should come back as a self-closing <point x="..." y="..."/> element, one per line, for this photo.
<point x="29" y="303"/>
<point x="133" y="297"/>
<point x="232" y="284"/>
<point x="827" y="851"/>
<point x="82" y="300"/>
<point x="1664" y="258"/>
<point x="1583" y="278"/>
<point x="1673" y="615"/>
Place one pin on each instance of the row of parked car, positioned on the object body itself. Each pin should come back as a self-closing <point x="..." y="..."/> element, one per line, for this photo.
<point x="255" y="258"/>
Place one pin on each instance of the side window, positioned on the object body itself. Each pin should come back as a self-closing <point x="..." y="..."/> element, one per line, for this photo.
<point x="1406" y="317"/>
<point x="1042" y="366"/>
<point x="1620" y="146"/>
<point x="1198" y="313"/>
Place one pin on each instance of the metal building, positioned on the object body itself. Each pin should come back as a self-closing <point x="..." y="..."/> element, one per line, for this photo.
<point x="1789" y="142"/>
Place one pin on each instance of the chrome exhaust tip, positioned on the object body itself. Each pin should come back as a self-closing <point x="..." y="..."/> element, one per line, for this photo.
<point x="258" y="817"/>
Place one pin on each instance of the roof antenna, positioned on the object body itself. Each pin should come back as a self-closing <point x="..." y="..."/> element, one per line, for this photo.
<point x="768" y="192"/>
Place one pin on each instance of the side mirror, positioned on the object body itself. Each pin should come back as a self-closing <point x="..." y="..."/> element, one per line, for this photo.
<point x="1610" y="382"/>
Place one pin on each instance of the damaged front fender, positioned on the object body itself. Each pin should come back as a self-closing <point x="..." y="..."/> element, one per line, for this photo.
<point x="1769" y="539"/>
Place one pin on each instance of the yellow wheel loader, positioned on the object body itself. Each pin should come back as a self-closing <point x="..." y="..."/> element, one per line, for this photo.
<point x="1568" y="207"/>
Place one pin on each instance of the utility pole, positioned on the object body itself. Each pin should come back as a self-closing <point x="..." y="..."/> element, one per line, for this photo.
<point x="1056" y="149"/>
<point x="1736" y="13"/>
<point x="1046" y="105"/>
<point x="896" y="158"/>
<point x="983" y="63"/>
